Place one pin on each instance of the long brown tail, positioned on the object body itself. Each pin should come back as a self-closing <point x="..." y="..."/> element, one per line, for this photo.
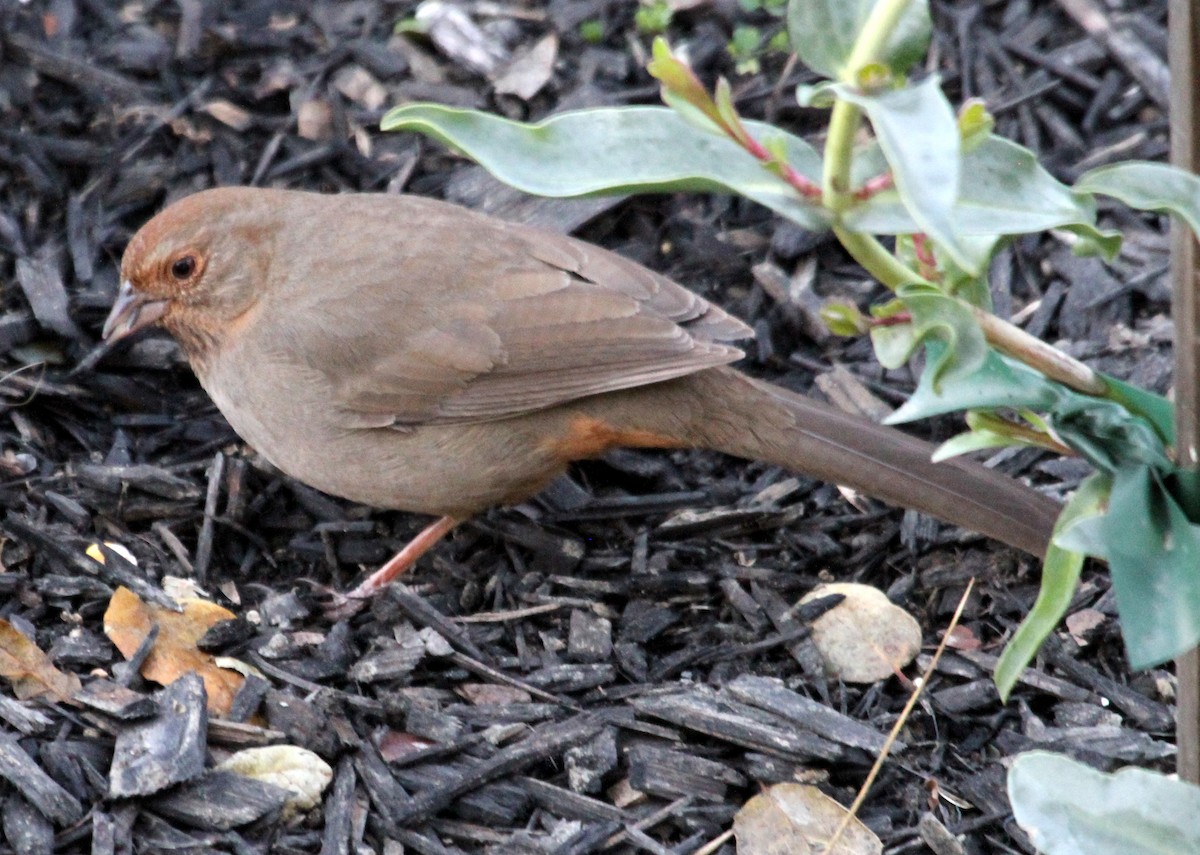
<point x="727" y="411"/>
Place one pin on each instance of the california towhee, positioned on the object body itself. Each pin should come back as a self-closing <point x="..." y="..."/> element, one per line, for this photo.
<point x="406" y="353"/>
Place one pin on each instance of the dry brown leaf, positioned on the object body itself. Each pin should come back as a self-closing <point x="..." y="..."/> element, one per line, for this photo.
<point x="30" y="670"/>
<point x="798" y="819"/>
<point x="866" y="637"/>
<point x="228" y="113"/>
<point x="396" y="744"/>
<point x="1083" y="624"/>
<point x="490" y="693"/>
<point x="530" y="71"/>
<point x="962" y="638"/>
<point x="128" y="620"/>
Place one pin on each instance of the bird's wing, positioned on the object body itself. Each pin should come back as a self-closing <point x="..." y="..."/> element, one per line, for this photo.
<point x="476" y="319"/>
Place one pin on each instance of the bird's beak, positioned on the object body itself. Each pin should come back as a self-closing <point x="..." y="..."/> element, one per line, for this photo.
<point x="131" y="311"/>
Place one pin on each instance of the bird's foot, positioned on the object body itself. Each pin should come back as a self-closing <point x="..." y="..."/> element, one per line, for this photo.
<point x="336" y="605"/>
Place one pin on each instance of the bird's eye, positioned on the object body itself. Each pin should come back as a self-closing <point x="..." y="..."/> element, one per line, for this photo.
<point x="183" y="267"/>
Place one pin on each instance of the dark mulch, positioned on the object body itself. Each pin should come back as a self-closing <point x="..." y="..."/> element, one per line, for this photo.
<point x="616" y="666"/>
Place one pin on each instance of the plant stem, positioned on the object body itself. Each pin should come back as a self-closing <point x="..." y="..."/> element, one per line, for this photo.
<point x="845" y="118"/>
<point x="839" y="150"/>
<point x="1005" y="337"/>
<point x="844" y="122"/>
<point x="879" y="26"/>
<point x="876" y="260"/>
<point x="1032" y="351"/>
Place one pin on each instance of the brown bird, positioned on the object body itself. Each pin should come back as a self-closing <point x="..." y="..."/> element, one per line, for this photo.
<point x="410" y="354"/>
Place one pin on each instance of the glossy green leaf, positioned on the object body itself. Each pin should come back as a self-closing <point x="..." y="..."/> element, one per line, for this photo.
<point x="1153" y="554"/>
<point x="918" y="135"/>
<point x="1068" y="808"/>
<point x="1105" y="432"/>
<point x="998" y="383"/>
<point x="843" y="318"/>
<point x="1060" y="578"/>
<point x="1149" y="187"/>
<point x="1003" y="191"/>
<point x="619" y="150"/>
<point x="823" y="33"/>
<point x="933" y="317"/>
<point x="1185" y="487"/>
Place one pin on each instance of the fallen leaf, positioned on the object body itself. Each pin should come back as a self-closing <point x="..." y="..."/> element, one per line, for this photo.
<point x="128" y="621"/>
<point x="357" y="84"/>
<point x="30" y="670"/>
<point x="866" y="637"/>
<point x="296" y="769"/>
<point x="396" y="745"/>
<point x="490" y="693"/>
<point x="530" y="71"/>
<point x="314" y="120"/>
<point x="1083" y="624"/>
<point x="798" y="819"/>
<point x="228" y="113"/>
<point x="95" y="553"/>
<point x="962" y="638"/>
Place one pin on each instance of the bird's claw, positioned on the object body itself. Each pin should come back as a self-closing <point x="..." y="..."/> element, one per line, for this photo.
<point x="336" y="605"/>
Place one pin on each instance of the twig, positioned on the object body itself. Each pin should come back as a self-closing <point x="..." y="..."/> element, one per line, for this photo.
<point x="894" y="734"/>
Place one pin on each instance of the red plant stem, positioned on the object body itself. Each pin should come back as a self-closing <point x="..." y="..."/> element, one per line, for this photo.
<point x="804" y="186"/>
<point x="926" y="263"/>
<point x="892" y="320"/>
<point x="875" y="185"/>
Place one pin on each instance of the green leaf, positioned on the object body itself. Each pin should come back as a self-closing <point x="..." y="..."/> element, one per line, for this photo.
<point x="1092" y="241"/>
<point x="974" y="440"/>
<point x="1003" y="191"/>
<point x="1156" y="409"/>
<point x="954" y="281"/>
<point x="823" y="34"/>
<point x="1153" y="554"/>
<point x="681" y="89"/>
<point x="1107" y="433"/>
<point x="819" y="95"/>
<point x="999" y="382"/>
<point x="1068" y="808"/>
<point x="947" y="320"/>
<point x="894" y="343"/>
<point x="619" y="150"/>
<point x="592" y="31"/>
<point x="1060" y="578"/>
<point x="1149" y="187"/>
<point x="1103" y="431"/>
<point x="730" y="119"/>
<point x="654" y="17"/>
<point x="975" y="123"/>
<point x="934" y="318"/>
<point x="989" y="430"/>
<point x="918" y="135"/>
<point x="843" y="318"/>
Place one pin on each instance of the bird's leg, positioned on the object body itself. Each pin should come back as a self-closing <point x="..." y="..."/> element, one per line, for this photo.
<point x="405" y="558"/>
<point x="345" y="605"/>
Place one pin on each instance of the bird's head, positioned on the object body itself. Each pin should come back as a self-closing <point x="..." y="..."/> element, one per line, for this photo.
<point x="196" y="268"/>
